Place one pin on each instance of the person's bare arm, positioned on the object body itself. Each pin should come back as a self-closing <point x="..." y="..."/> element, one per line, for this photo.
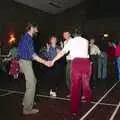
<point x="58" y="50"/>
<point x="38" y="59"/>
<point x="59" y="55"/>
<point x="114" y="45"/>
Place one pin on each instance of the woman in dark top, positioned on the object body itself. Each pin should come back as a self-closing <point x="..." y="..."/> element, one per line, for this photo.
<point x="52" y="73"/>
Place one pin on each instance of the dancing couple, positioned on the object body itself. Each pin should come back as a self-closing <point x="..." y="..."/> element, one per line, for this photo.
<point x="80" y="70"/>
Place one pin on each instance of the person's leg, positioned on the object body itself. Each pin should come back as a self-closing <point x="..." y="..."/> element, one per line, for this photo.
<point x="53" y="85"/>
<point x="3" y="66"/>
<point x="110" y="68"/>
<point x="118" y="67"/>
<point x="75" y="88"/>
<point x="95" y="68"/>
<point x="113" y="68"/>
<point x="30" y="86"/>
<point x="59" y="86"/>
<point x="68" y="65"/>
<point x="52" y="81"/>
<point x="86" y="76"/>
<point x="99" y="67"/>
<point x="95" y="71"/>
<point x="104" y="66"/>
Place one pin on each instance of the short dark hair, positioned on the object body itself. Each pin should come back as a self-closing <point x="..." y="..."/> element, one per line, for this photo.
<point x="66" y="31"/>
<point x="30" y="24"/>
<point x="76" y="31"/>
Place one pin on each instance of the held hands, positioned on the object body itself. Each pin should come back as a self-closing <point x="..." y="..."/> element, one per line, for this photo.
<point x="49" y="63"/>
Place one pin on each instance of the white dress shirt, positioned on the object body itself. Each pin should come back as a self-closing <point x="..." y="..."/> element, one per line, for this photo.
<point x="68" y="57"/>
<point x="78" y="48"/>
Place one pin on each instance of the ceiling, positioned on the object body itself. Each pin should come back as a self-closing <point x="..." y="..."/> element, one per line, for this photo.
<point x="50" y="6"/>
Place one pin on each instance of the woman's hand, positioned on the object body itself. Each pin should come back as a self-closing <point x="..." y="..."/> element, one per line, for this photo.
<point x="49" y="63"/>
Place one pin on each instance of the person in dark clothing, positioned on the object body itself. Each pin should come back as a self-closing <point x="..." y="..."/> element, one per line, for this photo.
<point x="102" y="61"/>
<point x="52" y="73"/>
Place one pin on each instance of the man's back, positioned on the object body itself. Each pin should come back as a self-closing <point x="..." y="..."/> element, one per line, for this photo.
<point x="80" y="45"/>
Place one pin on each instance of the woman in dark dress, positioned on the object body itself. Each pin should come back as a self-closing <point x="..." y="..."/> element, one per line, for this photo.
<point x="52" y="73"/>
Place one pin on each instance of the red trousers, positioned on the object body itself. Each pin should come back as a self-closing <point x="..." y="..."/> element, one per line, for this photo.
<point x="80" y="82"/>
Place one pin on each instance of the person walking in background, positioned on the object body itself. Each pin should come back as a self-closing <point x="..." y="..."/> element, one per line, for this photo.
<point x="111" y="61"/>
<point x="80" y="71"/>
<point x="26" y="54"/>
<point x="67" y="37"/>
<point x="94" y="53"/>
<point x="103" y="61"/>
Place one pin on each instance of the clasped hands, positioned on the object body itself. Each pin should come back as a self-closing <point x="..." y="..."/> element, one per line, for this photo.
<point x="49" y="63"/>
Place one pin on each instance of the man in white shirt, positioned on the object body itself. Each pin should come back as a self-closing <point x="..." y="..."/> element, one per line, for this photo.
<point x="67" y="37"/>
<point x="80" y="71"/>
<point x="94" y="53"/>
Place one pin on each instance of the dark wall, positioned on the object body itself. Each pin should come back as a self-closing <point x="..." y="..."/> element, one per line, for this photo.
<point x="14" y="17"/>
<point x="95" y="17"/>
<point x="102" y="8"/>
<point x="71" y="18"/>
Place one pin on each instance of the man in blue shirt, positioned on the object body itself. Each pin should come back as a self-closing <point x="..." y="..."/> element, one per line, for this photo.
<point x="26" y="54"/>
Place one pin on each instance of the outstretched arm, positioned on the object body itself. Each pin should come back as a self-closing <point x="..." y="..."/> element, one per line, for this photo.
<point x="64" y="51"/>
<point x="59" y="55"/>
<point x="40" y="60"/>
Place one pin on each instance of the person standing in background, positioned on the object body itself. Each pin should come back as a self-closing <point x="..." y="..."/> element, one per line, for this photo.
<point x="67" y="37"/>
<point x="111" y="61"/>
<point x="14" y="63"/>
<point x="102" y="61"/>
<point x="117" y="54"/>
<point x="26" y="55"/>
<point x="94" y="53"/>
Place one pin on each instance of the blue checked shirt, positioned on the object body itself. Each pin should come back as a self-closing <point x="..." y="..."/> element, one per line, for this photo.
<point x="51" y="53"/>
<point x="26" y="48"/>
